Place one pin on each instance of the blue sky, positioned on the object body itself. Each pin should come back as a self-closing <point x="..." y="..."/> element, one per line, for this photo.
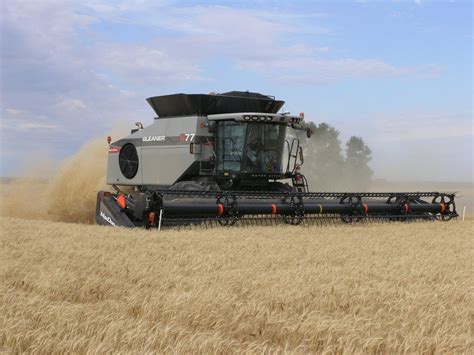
<point x="399" y="74"/>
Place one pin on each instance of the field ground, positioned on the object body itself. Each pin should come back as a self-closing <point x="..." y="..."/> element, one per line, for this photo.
<point x="374" y="288"/>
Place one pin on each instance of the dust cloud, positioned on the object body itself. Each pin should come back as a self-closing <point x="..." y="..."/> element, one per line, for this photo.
<point x="69" y="195"/>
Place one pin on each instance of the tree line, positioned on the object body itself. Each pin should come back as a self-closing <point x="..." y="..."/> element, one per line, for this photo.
<point x="328" y="165"/>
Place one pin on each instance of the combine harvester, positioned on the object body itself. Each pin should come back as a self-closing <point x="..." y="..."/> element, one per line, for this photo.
<point x="230" y="159"/>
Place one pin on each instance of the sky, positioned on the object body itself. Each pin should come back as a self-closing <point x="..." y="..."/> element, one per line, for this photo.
<point x="397" y="73"/>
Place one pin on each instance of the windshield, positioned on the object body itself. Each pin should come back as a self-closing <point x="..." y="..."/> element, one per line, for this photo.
<point x="250" y="147"/>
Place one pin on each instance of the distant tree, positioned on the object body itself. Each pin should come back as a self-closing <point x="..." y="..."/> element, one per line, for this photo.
<point x="358" y="156"/>
<point x="324" y="163"/>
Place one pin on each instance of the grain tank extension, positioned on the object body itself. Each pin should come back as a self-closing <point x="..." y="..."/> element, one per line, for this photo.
<point x="233" y="158"/>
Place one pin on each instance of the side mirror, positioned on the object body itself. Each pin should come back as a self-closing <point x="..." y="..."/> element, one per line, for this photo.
<point x="195" y="148"/>
<point x="309" y="132"/>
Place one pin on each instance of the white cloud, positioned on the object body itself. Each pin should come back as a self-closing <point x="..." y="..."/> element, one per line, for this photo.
<point x="312" y="70"/>
<point x="29" y="126"/>
<point x="262" y="41"/>
<point x="16" y="120"/>
<point x="146" y="64"/>
<point x="13" y="111"/>
<point x="416" y="126"/>
<point x="71" y="104"/>
<point x="51" y="41"/>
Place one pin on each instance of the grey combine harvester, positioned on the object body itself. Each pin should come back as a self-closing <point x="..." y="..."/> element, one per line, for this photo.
<point x="232" y="158"/>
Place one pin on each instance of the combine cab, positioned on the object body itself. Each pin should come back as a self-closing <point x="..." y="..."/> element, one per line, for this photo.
<point x="232" y="158"/>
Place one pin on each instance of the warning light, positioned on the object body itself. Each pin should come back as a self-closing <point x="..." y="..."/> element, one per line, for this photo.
<point x="406" y="208"/>
<point x="274" y="209"/>
<point x="151" y="218"/>
<point x="302" y="114"/>
<point x="443" y="207"/>
<point x="109" y="139"/>
<point x="114" y="149"/>
<point x="366" y="208"/>
<point x="121" y="201"/>
<point x="298" y="176"/>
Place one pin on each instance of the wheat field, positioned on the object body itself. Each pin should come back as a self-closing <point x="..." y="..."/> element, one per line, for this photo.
<point x="379" y="288"/>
